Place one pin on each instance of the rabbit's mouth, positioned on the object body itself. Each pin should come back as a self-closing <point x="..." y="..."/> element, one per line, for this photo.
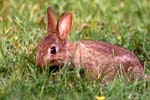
<point x="54" y="68"/>
<point x="57" y="63"/>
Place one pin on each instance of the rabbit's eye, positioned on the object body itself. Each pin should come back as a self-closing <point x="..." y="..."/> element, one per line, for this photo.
<point x="53" y="50"/>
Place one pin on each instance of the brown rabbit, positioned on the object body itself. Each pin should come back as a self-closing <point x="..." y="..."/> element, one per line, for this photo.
<point x="95" y="57"/>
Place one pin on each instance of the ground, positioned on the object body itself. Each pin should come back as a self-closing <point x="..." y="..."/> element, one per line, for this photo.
<point x="22" y="24"/>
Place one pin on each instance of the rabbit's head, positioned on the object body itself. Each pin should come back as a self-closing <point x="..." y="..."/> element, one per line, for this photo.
<point x="51" y="50"/>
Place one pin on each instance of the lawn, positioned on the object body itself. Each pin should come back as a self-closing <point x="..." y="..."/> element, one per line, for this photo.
<point x="23" y="23"/>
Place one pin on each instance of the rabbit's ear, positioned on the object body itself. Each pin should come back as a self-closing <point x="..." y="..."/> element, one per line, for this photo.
<point x="50" y="20"/>
<point x="64" y="25"/>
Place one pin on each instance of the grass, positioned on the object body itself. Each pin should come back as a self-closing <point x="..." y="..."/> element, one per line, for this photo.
<point x="22" y="25"/>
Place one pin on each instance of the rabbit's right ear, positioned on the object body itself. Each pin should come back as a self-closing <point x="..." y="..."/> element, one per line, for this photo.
<point x="64" y="25"/>
<point x="50" y="20"/>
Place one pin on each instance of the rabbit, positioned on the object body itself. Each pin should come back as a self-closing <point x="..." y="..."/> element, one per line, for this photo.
<point x="96" y="58"/>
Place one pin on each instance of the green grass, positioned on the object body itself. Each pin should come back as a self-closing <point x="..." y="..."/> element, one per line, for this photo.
<point x="22" y="25"/>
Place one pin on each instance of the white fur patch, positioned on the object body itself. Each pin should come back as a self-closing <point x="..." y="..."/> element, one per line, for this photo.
<point x="123" y="58"/>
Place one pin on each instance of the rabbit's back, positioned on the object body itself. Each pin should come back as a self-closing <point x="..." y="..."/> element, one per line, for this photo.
<point x="101" y="57"/>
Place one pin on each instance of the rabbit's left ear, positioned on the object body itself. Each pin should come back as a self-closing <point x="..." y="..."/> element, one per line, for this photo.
<point x="50" y="20"/>
<point x="64" y="25"/>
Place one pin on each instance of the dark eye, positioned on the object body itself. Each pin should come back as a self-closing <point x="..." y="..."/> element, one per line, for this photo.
<point x="53" y="50"/>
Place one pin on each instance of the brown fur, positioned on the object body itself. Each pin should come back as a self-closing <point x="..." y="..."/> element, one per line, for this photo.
<point x="95" y="57"/>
